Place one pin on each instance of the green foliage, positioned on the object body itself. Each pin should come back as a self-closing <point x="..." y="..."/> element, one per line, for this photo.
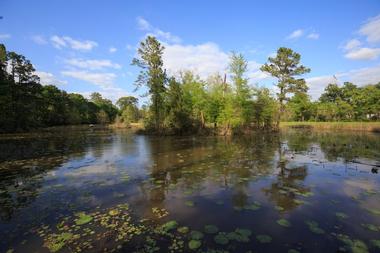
<point x="285" y="67"/>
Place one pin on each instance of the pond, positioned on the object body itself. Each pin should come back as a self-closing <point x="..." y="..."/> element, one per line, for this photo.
<point x="114" y="191"/>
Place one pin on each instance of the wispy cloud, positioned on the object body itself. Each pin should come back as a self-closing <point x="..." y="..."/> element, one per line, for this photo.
<point x="39" y="39"/>
<point x="112" y="49"/>
<point x="295" y="34"/>
<point x="66" y="41"/>
<point x="103" y="80"/>
<point x="5" y="36"/>
<point x="371" y="29"/>
<point x="144" y="25"/>
<point x="47" y="78"/>
<point x="92" y="64"/>
<point x="313" y="36"/>
<point x="363" y="53"/>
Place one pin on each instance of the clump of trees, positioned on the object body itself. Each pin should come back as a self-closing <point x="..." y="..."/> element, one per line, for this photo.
<point x="184" y="103"/>
<point x="26" y="104"/>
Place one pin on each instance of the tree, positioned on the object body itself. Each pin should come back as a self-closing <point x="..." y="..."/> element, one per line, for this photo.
<point x="238" y="68"/>
<point x="285" y="67"/>
<point x="128" y="108"/>
<point x="152" y="75"/>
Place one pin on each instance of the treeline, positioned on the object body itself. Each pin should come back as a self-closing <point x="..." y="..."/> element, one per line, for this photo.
<point x="26" y="104"/>
<point x="184" y="103"/>
<point x="345" y="103"/>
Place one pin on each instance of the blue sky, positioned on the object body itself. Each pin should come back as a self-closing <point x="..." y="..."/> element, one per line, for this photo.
<point x="86" y="46"/>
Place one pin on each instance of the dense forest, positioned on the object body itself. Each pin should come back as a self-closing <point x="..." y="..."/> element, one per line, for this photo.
<point x="184" y="103"/>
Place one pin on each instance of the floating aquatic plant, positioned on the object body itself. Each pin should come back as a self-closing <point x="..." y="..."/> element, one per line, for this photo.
<point x="376" y="243"/>
<point x="55" y="242"/>
<point x="83" y="218"/>
<point x="189" y="203"/>
<point x="240" y="235"/>
<point x="221" y="238"/>
<point x="284" y="223"/>
<point x="196" y="235"/>
<point x="211" y="229"/>
<point x="194" y="244"/>
<point x="341" y="215"/>
<point x="293" y="251"/>
<point x="371" y="227"/>
<point x="314" y="227"/>
<point x="183" y="230"/>
<point x="264" y="238"/>
<point x="169" y="225"/>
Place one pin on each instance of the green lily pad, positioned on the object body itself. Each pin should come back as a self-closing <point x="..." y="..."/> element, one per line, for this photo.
<point x="189" y="203"/>
<point x="264" y="238"/>
<point x="359" y="247"/>
<point x="314" y="227"/>
<point x="83" y="218"/>
<point x="341" y="215"/>
<point x="196" y="235"/>
<point x="376" y="243"/>
<point x="183" y="230"/>
<point x="373" y="211"/>
<point x="293" y="251"/>
<point x="194" y="244"/>
<point x="221" y="238"/>
<point x="371" y="227"/>
<point x="279" y="208"/>
<point x="56" y="242"/>
<point x="240" y="235"/>
<point x="211" y="229"/>
<point x="169" y="225"/>
<point x="254" y="206"/>
<point x="284" y="223"/>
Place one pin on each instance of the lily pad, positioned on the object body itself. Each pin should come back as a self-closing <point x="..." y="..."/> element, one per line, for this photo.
<point x="113" y="212"/>
<point x="279" y="208"/>
<point x="83" y="218"/>
<point x="221" y="238"/>
<point x="169" y="225"/>
<point x="211" y="229"/>
<point x="56" y="242"/>
<point x="254" y="206"/>
<point x="183" y="230"/>
<point x="284" y="223"/>
<point x="376" y="243"/>
<point x="264" y="238"/>
<point x="373" y="211"/>
<point x="371" y="227"/>
<point x="189" y="203"/>
<point x="293" y="251"/>
<point x="240" y="235"/>
<point x="341" y="215"/>
<point x="196" y="235"/>
<point x="314" y="227"/>
<point x="194" y="244"/>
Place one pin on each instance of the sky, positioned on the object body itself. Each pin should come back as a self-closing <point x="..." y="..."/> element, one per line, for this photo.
<point x="86" y="46"/>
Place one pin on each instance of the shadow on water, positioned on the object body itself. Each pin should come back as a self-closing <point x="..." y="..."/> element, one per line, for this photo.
<point x="105" y="190"/>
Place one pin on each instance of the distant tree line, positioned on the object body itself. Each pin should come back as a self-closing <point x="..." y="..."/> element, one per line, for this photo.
<point x="184" y="103"/>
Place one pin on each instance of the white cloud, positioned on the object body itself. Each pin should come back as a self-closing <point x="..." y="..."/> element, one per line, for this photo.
<point x="39" y="39"/>
<point x="313" y="36"/>
<point x="92" y="64"/>
<point x="363" y="76"/>
<point x="144" y="25"/>
<point x="371" y="29"/>
<point x="65" y="41"/>
<point x="112" y="49"/>
<point x="360" y="77"/>
<point x="103" y="80"/>
<point x="47" y="78"/>
<point x="318" y="84"/>
<point x="363" y="53"/>
<point x="351" y="44"/>
<point x="5" y="36"/>
<point x="129" y="47"/>
<point x="204" y="59"/>
<point x="295" y="34"/>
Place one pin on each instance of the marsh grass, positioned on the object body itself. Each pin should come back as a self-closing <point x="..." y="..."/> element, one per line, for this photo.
<point x="351" y="126"/>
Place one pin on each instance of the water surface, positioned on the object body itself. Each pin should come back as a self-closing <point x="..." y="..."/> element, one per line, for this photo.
<point x="114" y="191"/>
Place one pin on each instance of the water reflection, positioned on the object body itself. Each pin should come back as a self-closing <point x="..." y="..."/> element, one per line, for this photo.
<point x="253" y="181"/>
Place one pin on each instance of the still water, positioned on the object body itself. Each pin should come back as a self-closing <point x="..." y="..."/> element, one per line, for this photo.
<point x="114" y="191"/>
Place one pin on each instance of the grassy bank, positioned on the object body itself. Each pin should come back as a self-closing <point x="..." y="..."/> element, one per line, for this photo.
<point x="351" y="126"/>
